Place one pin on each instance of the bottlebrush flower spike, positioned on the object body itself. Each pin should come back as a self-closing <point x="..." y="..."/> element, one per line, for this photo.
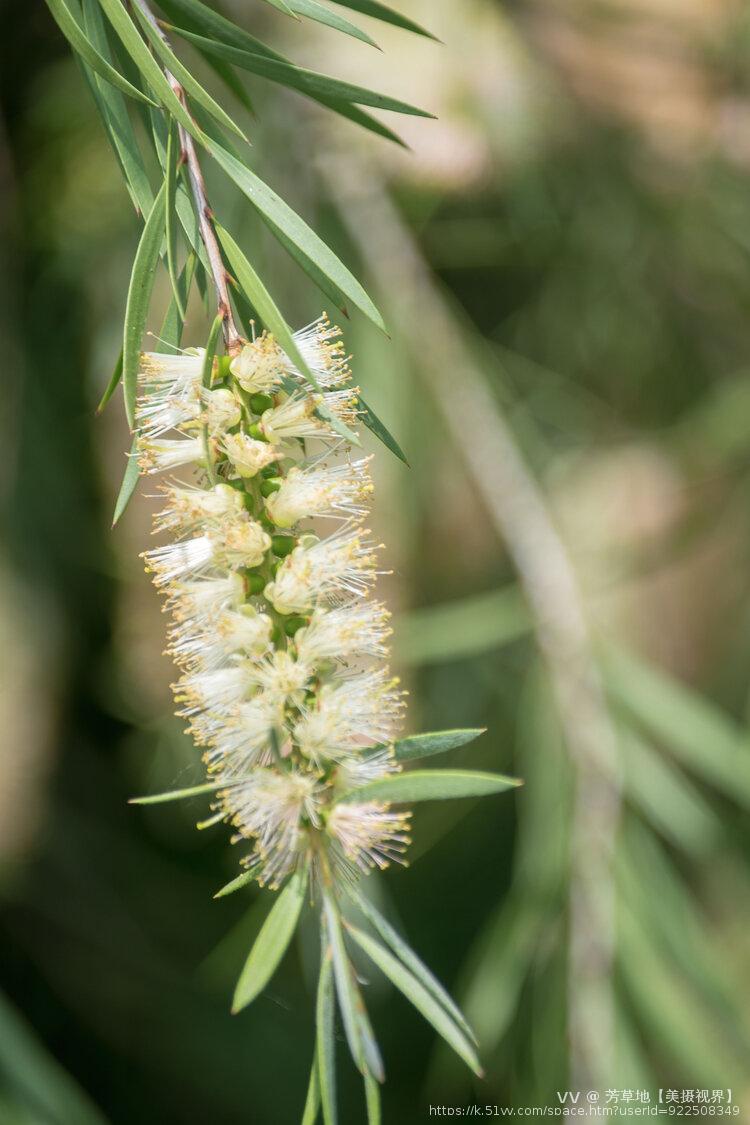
<point x="281" y="647"/>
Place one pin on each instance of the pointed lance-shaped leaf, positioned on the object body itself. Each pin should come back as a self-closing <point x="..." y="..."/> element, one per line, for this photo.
<point x="370" y="419"/>
<point x="178" y="794"/>
<point x="320" y="14"/>
<point x="139" y="297"/>
<point x="362" y="1045"/>
<point x="129" y="483"/>
<point x="298" y="78"/>
<point x="379" y="11"/>
<point x="434" y="742"/>
<point x="147" y="64"/>
<point x="79" y="41"/>
<point x="312" y="1100"/>
<point x="417" y="994"/>
<point x="325" y="1043"/>
<point x="414" y="963"/>
<point x="431" y="785"/>
<point x="278" y="215"/>
<point x="184" y="76"/>
<point x="272" y="941"/>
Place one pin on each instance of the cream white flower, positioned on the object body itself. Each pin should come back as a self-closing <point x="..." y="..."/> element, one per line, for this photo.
<point x="248" y="455"/>
<point x="336" y="490"/>
<point x="156" y="454"/>
<point x="260" y="366"/>
<point x="356" y="770"/>
<point x="220" y="690"/>
<point x="187" y="506"/>
<point x="360" y="629"/>
<point x="369" y="835"/>
<point x="274" y="809"/>
<point x="239" y="741"/>
<point x="343" y="564"/>
<point x="240" y="542"/>
<point x="283" y="678"/>
<point x="362" y="710"/>
<point x="201" y="602"/>
<point x="171" y="376"/>
<point x="323" y="351"/>
<point x="244" y="632"/>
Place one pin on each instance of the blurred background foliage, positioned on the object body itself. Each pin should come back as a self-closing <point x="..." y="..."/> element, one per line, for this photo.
<point x="564" y="261"/>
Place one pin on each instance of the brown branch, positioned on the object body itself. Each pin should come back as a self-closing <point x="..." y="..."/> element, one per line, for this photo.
<point x="233" y="338"/>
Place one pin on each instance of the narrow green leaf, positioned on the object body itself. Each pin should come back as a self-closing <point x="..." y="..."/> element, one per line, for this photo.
<point x="282" y="7"/>
<point x="201" y="18"/>
<point x="272" y="941"/>
<point x="173" y="156"/>
<point x="170" y="333"/>
<point x="317" y="12"/>
<point x="178" y="794"/>
<point x="139" y="296"/>
<point x="78" y="40"/>
<point x="372" y="1098"/>
<point x="358" y="116"/>
<point x="185" y="77"/>
<point x="386" y="15"/>
<point x="359" y="1036"/>
<point x="374" y="425"/>
<point x="113" y="111"/>
<point x="112" y="385"/>
<point x="309" y="82"/>
<point x="279" y="216"/>
<point x="206" y="378"/>
<point x="146" y="63"/>
<point x="436" y="742"/>
<point x="312" y="1101"/>
<point x="463" y="628"/>
<point x="325" y="1044"/>
<point x="129" y="483"/>
<point x="431" y="785"/>
<point x="418" y="995"/>
<point x="235" y="884"/>
<point x="414" y="963"/>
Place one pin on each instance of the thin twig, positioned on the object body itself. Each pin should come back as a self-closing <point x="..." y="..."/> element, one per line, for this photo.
<point x="519" y="513"/>
<point x="232" y="336"/>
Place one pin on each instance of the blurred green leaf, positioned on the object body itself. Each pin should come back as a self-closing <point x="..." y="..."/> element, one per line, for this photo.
<point x="362" y="1044"/>
<point x="436" y="742"/>
<point x="415" y="965"/>
<point x="320" y="14"/>
<point x="112" y="385"/>
<point x="298" y="78"/>
<point x="173" y="156"/>
<point x="113" y="111"/>
<point x="372" y="1099"/>
<point x="375" y="426"/>
<point x="185" y="77"/>
<point x="272" y="941"/>
<point x="325" y="1044"/>
<point x="463" y="628"/>
<point x="139" y="298"/>
<point x="79" y="42"/>
<point x="312" y="1101"/>
<point x="699" y="734"/>
<point x="279" y="216"/>
<point x="146" y="63"/>
<point x="387" y="15"/>
<point x="431" y="785"/>
<point x="129" y="483"/>
<point x="46" y="1089"/>
<point x="417" y="994"/>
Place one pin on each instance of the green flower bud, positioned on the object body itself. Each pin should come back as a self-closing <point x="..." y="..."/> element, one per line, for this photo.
<point x="283" y="545"/>
<point x="256" y="432"/>
<point x="294" y="624"/>
<point x="271" y="484"/>
<point x="254" y="582"/>
<point x="259" y="403"/>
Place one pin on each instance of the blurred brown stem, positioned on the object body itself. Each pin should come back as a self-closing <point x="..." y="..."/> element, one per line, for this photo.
<point x="232" y="337"/>
<point x="517" y="508"/>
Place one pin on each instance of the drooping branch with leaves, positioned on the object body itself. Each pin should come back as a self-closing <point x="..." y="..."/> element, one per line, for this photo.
<point x="266" y="568"/>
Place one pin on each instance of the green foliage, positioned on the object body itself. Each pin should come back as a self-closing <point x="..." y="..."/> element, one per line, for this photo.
<point x="272" y="941"/>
